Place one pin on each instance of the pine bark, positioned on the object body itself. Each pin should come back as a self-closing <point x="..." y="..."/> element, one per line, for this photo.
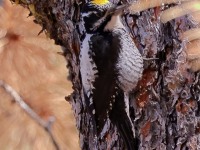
<point x="165" y="104"/>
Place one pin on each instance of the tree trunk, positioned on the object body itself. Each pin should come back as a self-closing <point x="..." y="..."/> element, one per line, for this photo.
<point x="165" y="106"/>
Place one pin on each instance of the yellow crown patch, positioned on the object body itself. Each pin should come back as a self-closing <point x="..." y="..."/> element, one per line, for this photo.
<point x="100" y="2"/>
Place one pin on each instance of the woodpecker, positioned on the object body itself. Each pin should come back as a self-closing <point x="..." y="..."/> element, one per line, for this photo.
<point x="110" y="66"/>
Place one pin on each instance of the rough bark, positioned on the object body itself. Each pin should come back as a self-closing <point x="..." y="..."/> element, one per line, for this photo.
<point x="165" y="106"/>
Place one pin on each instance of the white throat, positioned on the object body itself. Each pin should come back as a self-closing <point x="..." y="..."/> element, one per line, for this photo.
<point x="114" y="23"/>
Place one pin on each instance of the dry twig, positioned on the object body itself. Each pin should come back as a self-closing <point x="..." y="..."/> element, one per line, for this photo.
<point x="45" y="124"/>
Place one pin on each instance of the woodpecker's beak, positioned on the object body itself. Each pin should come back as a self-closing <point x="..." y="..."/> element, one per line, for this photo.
<point x="118" y="10"/>
<point x="121" y="9"/>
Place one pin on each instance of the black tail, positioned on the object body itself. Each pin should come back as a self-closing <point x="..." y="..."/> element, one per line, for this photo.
<point x="120" y="118"/>
<point x="126" y="132"/>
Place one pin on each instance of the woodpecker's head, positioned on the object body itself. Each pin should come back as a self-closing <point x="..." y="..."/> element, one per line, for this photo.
<point x="94" y="12"/>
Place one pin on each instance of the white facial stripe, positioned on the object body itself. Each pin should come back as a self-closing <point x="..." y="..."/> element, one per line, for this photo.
<point x="86" y="14"/>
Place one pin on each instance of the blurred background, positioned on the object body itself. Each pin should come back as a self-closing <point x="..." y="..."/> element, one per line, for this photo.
<point x="31" y="65"/>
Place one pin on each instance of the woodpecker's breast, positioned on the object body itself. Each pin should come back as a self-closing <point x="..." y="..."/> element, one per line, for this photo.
<point x="130" y="62"/>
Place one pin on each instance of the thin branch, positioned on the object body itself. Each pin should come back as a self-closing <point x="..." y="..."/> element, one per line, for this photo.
<point x="45" y="124"/>
<point x="149" y="59"/>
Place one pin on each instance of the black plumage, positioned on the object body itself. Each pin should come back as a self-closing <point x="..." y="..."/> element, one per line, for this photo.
<point x="105" y="56"/>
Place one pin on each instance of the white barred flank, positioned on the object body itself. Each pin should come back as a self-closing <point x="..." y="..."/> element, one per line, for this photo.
<point x="130" y="61"/>
<point x="87" y="66"/>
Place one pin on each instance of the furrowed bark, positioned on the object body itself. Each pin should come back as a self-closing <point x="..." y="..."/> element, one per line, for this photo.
<point x="165" y="106"/>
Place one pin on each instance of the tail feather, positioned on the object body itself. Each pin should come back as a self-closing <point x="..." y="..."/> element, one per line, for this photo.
<point x="121" y="119"/>
<point x="126" y="132"/>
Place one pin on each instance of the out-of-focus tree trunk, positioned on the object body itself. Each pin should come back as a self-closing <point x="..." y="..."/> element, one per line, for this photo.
<point x="165" y="106"/>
